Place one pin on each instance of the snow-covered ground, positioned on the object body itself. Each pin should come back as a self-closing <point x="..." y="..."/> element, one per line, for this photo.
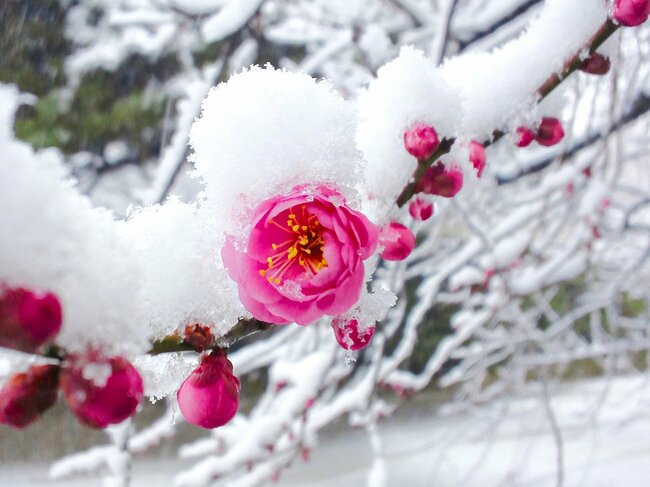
<point x="604" y="423"/>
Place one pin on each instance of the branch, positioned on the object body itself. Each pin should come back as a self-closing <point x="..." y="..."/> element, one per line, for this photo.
<point x="572" y="64"/>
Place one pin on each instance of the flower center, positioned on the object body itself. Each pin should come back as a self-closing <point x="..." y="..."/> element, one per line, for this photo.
<point x="303" y="247"/>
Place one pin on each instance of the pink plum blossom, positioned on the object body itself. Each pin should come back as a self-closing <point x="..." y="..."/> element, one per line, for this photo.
<point x="28" y="320"/>
<point x="441" y="180"/>
<point x="29" y="394"/>
<point x="524" y="137"/>
<point x="209" y="397"/>
<point x="420" y="209"/>
<point x="631" y="12"/>
<point x="477" y="157"/>
<point x="550" y="131"/>
<point x="596" y="64"/>
<point x="421" y="140"/>
<point x="303" y="258"/>
<point x="398" y="241"/>
<point x="349" y="336"/>
<point x="101" y="391"/>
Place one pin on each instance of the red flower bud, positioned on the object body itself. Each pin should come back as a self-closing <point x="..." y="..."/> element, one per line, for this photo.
<point x="28" y="394"/>
<point x="631" y="12"/>
<point x="477" y="157"/>
<point x="28" y="320"/>
<point x="209" y="397"/>
<point x="524" y="137"/>
<point x="550" y="131"/>
<point x="420" y="209"/>
<point x="421" y="140"/>
<point x="349" y="336"/>
<point x="397" y="240"/>
<point x="441" y="181"/>
<point x="596" y="64"/>
<point x="101" y="391"/>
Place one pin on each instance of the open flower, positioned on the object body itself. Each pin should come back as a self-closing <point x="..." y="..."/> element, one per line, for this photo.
<point x="303" y="258"/>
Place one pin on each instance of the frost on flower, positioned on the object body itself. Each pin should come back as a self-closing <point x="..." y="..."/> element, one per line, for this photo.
<point x="277" y="157"/>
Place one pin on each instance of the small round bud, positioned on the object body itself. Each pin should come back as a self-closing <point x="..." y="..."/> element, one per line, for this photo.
<point x="398" y="241"/>
<point x="209" y="397"/>
<point x="550" y="132"/>
<point x="420" y="209"/>
<point x="349" y="336"/>
<point x="28" y="320"/>
<point x="524" y="137"/>
<point x="631" y="12"/>
<point x="28" y="394"/>
<point x="421" y="140"/>
<point x="441" y="181"/>
<point x="101" y="391"/>
<point x="596" y="64"/>
<point x="477" y="157"/>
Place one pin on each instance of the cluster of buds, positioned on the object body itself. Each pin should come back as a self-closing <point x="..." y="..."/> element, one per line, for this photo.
<point x="549" y="132"/>
<point x="99" y="390"/>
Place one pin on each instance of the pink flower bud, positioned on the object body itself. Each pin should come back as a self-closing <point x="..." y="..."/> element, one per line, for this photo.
<point x="441" y="181"/>
<point x="28" y="394"/>
<point x="596" y="64"/>
<point x="420" y="209"/>
<point x="349" y="336"/>
<point x="397" y="240"/>
<point x="550" y="131"/>
<point x="631" y="12"/>
<point x="209" y="397"/>
<point x="421" y="140"/>
<point x="101" y="391"/>
<point x="28" y="320"/>
<point x="524" y="137"/>
<point x="477" y="157"/>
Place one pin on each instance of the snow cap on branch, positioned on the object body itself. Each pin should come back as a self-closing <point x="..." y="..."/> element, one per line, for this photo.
<point x="53" y="240"/>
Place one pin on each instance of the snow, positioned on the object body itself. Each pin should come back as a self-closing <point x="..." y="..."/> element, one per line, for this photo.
<point x="229" y="19"/>
<point x="77" y="252"/>
<point x="266" y="131"/>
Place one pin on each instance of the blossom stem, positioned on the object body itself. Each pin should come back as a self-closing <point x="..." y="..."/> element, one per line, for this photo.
<point x="572" y="64"/>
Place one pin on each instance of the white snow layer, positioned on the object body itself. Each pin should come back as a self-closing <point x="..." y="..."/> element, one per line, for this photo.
<point x="266" y="131"/>
<point x="469" y="96"/>
<point x="53" y="239"/>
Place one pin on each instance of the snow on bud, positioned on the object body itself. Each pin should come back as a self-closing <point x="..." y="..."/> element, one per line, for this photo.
<point x="349" y="336"/>
<point x="477" y="157"/>
<point x="524" y="137"/>
<point x="441" y="180"/>
<point x="631" y="12"/>
<point x="550" y="131"/>
<point x="101" y="391"/>
<point x="209" y="397"/>
<point x="596" y="64"/>
<point x="28" y="394"/>
<point x="398" y="241"/>
<point x="303" y="258"/>
<point x="420" y="209"/>
<point x="28" y="320"/>
<point x="421" y="140"/>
